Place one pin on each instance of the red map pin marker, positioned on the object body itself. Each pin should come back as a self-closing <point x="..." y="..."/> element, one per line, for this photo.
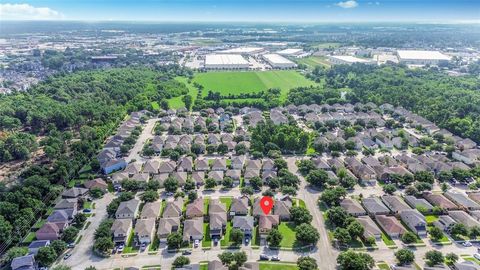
<point x="266" y="203"/>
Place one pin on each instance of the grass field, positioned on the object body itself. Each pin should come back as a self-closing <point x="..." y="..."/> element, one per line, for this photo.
<point x="288" y="232"/>
<point x="234" y="82"/>
<point x="275" y="266"/>
<point x="313" y="61"/>
<point x="177" y="102"/>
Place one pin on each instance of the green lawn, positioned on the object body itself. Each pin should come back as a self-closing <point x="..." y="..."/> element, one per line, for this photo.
<point x="39" y="224"/>
<point x="225" y="242"/>
<point x="227" y="201"/>
<point x="235" y="82"/>
<point x="387" y="240"/>
<point x="313" y="61"/>
<point x="155" y="105"/>
<point x="275" y="266"/>
<point x="287" y="229"/>
<point x="383" y="266"/>
<point x="30" y="238"/>
<point x="129" y="246"/>
<point x="430" y="218"/>
<point x="154" y="245"/>
<point x="207" y="241"/>
<point x="177" y="102"/>
<point x="87" y="205"/>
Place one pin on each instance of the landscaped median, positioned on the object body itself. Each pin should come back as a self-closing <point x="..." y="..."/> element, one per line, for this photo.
<point x="277" y="265"/>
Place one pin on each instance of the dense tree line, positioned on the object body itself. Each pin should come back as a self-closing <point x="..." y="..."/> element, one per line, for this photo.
<point x="450" y="102"/>
<point x="267" y="136"/>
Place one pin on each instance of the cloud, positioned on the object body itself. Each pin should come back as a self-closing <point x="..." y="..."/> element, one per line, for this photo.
<point x="27" y="12"/>
<point x="347" y="4"/>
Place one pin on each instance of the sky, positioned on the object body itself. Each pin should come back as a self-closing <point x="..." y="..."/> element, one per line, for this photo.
<point x="437" y="11"/>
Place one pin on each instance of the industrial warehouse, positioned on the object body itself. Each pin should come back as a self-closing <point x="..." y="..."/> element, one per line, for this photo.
<point x="225" y="61"/>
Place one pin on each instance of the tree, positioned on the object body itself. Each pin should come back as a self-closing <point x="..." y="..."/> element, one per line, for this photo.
<point x="187" y="100"/>
<point x="171" y="184"/>
<point x="15" y="252"/>
<point x="103" y="244"/>
<point x="150" y="196"/>
<point x="405" y="256"/>
<point x="46" y="256"/>
<point x="307" y="234"/>
<point x="317" y="178"/>
<point x="424" y="176"/>
<point x="451" y="258"/>
<point x="305" y="166"/>
<point x="192" y="196"/>
<point x="355" y="229"/>
<point x="337" y="216"/>
<point x="459" y="229"/>
<point x="61" y="267"/>
<point x="300" y="215"/>
<point x="436" y="233"/>
<point x="91" y="267"/>
<point x="274" y="238"/>
<point x="70" y="234"/>
<point x="174" y="240"/>
<point x="79" y="219"/>
<point x="96" y="192"/>
<point x="342" y="236"/>
<point x="248" y="190"/>
<point x="350" y="260"/>
<point x="236" y="235"/>
<point x="210" y="183"/>
<point x="434" y="257"/>
<point x="226" y="257"/>
<point x="307" y="263"/>
<point x="227" y="182"/>
<point x="152" y="185"/>
<point x="256" y="182"/>
<point x="409" y="237"/>
<point x="59" y="246"/>
<point x="333" y="196"/>
<point x="389" y="188"/>
<point x="240" y="258"/>
<point x="181" y="261"/>
<point x="474" y="232"/>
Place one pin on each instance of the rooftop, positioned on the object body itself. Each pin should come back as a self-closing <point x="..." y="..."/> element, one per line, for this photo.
<point x="422" y="55"/>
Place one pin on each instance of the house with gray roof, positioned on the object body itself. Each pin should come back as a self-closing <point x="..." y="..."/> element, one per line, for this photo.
<point x="415" y="221"/>
<point x="239" y="206"/>
<point x="151" y="210"/>
<point x="445" y="223"/>
<point x="464" y="218"/>
<point x="121" y="229"/>
<point x="374" y="206"/>
<point x="198" y="177"/>
<point x="395" y="203"/>
<point x="238" y="162"/>
<point x="167" y="167"/>
<point x="245" y="224"/>
<point x="36" y="245"/>
<point x="370" y="228"/>
<point x="133" y="168"/>
<point x="193" y="229"/>
<point x="390" y="225"/>
<point x="417" y="203"/>
<point x="185" y="164"/>
<point x="26" y="262"/>
<point x="173" y="208"/>
<point x="217" y="212"/>
<point x="151" y="166"/>
<point x="167" y="226"/>
<point x="145" y="230"/>
<point x="353" y="207"/>
<point x="461" y="200"/>
<point x="128" y="209"/>
<point x="201" y="164"/>
<point x="74" y="192"/>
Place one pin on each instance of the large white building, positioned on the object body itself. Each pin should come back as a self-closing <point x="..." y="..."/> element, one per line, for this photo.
<point x="243" y="50"/>
<point x="290" y="52"/>
<point x="225" y="61"/>
<point x="414" y="57"/>
<point x="278" y="61"/>
<point x="348" y="60"/>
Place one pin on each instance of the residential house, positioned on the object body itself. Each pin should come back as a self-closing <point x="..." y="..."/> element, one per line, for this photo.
<point x="173" y="209"/>
<point x="235" y="175"/>
<point x="167" y="167"/>
<point x="26" y="262"/>
<point x="113" y="165"/>
<point x="151" y="210"/>
<point x="470" y="156"/>
<point x="464" y="218"/>
<point x="145" y="230"/>
<point x="74" y="192"/>
<point x="195" y="209"/>
<point x="253" y="164"/>
<point x="353" y="207"/>
<point x="266" y="223"/>
<point x="465" y="144"/>
<point x="245" y="224"/>
<point x="140" y="177"/>
<point x="217" y="212"/>
<point x="418" y="203"/>
<point x="465" y="265"/>
<point x="201" y="164"/>
<point x="50" y="231"/>
<point x="185" y="164"/>
<point x="96" y="183"/>
<point x="133" y="168"/>
<point x="237" y="162"/>
<point x="167" y="226"/>
<point x="151" y="166"/>
<point x="239" y="206"/>
<point x="395" y="203"/>
<point x="216" y="175"/>
<point x="415" y="221"/>
<point x="281" y="208"/>
<point x="181" y="177"/>
<point x="193" y="229"/>
<point x="219" y="164"/>
<point x="445" y="223"/>
<point x="70" y="205"/>
<point x="36" y="245"/>
<point x="216" y="265"/>
<point x="128" y="209"/>
<point x="374" y="206"/>
<point x="370" y="228"/>
<point x="440" y="201"/>
<point x="121" y="229"/>
<point x="198" y="177"/>
<point x="268" y="165"/>
<point x="59" y="216"/>
<point x="390" y="225"/>
<point x="462" y="201"/>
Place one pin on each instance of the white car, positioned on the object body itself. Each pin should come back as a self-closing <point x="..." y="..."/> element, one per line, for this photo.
<point x="476" y="256"/>
<point x="467" y="244"/>
<point x="195" y="243"/>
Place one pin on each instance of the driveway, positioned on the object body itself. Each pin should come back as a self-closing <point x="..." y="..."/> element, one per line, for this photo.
<point x="147" y="133"/>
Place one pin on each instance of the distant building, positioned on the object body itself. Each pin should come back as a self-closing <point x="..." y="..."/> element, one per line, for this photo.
<point x="278" y="61"/>
<point x="421" y="58"/>
<point x="348" y="60"/>
<point x="225" y="61"/>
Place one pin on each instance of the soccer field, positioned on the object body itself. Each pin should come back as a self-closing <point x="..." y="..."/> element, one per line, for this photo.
<point x="235" y="82"/>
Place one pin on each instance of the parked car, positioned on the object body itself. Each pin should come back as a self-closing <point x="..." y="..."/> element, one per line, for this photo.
<point x="215" y="241"/>
<point x="120" y="248"/>
<point x="71" y="245"/>
<point x="67" y="256"/>
<point x="476" y="256"/>
<point x="195" y="243"/>
<point x="264" y="257"/>
<point x="275" y="258"/>
<point x="143" y="246"/>
<point x="247" y="240"/>
<point x="467" y="244"/>
<point x="86" y="210"/>
<point x="187" y="252"/>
